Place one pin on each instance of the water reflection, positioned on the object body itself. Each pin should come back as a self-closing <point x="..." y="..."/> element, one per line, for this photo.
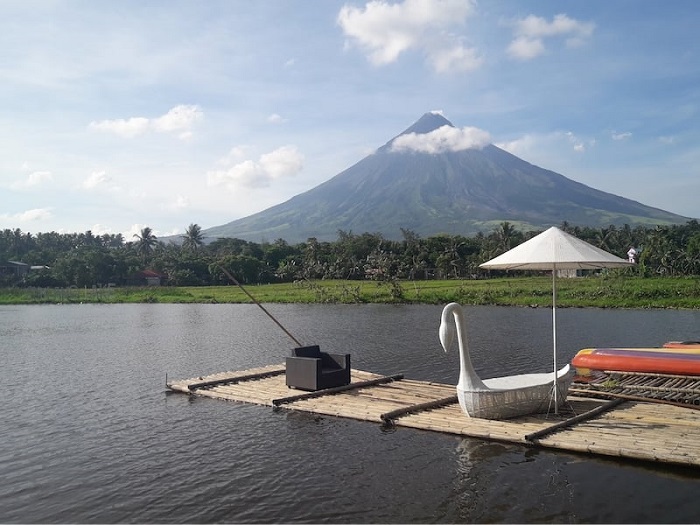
<point x="503" y="483"/>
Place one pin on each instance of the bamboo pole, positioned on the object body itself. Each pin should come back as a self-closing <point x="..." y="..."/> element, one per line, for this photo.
<point x="337" y="389"/>
<point x="234" y="380"/>
<point x="576" y="419"/>
<point x="228" y="274"/>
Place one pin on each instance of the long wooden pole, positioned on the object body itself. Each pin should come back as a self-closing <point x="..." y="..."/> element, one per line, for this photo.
<point x="576" y="419"/>
<point x="233" y="279"/>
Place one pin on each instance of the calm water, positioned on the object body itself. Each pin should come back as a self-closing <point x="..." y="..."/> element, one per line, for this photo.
<point x="89" y="433"/>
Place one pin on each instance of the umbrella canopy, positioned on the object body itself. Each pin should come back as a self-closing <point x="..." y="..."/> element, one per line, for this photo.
<point x="555" y="250"/>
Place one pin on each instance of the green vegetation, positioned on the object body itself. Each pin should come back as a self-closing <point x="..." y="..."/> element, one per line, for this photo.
<point x="366" y="268"/>
<point x="611" y="290"/>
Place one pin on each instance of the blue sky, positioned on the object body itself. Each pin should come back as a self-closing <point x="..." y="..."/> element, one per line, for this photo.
<point x="121" y="115"/>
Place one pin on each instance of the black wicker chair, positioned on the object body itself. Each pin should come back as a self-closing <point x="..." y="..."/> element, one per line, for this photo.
<point x="310" y="369"/>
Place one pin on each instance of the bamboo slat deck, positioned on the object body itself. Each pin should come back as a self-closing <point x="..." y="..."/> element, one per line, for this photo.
<point x="632" y="429"/>
<point x="677" y="389"/>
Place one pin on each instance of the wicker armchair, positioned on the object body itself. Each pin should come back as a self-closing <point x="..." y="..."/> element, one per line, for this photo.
<point x="310" y="369"/>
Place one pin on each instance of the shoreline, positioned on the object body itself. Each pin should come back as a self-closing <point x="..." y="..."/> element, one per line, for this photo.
<point x="591" y="291"/>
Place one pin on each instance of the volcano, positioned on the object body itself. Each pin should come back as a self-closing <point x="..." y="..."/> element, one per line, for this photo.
<point x="435" y="178"/>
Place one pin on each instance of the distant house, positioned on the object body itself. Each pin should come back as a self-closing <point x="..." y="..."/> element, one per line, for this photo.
<point x="146" y="278"/>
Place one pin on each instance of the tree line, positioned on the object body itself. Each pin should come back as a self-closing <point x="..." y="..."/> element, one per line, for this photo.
<point x="84" y="259"/>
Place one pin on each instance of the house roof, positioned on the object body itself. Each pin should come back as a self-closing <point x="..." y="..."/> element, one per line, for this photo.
<point x="150" y="273"/>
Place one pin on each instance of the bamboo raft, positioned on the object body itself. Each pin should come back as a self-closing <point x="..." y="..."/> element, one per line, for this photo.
<point x="624" y="428"/>
<point x="664" y="388"/>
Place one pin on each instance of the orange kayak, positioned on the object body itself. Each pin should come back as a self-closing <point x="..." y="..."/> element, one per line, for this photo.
<point x="682" y="344"/>
<point x="684" y="361"/>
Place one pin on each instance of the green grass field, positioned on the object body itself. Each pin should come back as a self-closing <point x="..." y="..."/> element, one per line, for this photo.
<point x="611" y="291"/>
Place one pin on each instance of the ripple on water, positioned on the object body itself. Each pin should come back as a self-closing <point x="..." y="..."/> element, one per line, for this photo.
<point x="93" y="437"/>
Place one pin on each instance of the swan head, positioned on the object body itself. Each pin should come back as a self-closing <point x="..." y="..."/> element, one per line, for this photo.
<point x="447" y="334"/>
<point x="448" y="328"/>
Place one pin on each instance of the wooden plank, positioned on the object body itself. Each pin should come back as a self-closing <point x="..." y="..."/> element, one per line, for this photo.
<point x="389" y="416"/>
<point x="572" y="421"/>
<point x="335" y="390"/>
<point x="233" y="380"/>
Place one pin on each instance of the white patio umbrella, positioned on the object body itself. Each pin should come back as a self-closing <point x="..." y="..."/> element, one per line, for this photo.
<point x="555" y="250"/>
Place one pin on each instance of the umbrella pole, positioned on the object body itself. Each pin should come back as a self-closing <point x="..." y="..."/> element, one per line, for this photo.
<point x="554" y="333"/>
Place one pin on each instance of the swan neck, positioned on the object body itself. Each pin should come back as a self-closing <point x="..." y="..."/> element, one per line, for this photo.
<point x="468" y="378"/>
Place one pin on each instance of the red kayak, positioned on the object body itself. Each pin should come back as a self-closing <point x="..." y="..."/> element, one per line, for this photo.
<point x="684" y="361"/>
<point x="682" y="344"/>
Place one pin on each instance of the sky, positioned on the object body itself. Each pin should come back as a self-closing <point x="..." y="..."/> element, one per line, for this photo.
<point x="115" y="116"/>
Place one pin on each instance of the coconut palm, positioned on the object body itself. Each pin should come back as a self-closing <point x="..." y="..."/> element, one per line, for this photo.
<point x="507" y="236"/>
<point x="193" y="238"/>
<point x="606" y="238"/>
<point x="146" y="243"/>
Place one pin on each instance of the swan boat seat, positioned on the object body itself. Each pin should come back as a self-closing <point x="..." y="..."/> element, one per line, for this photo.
<point x="310" y="369"/>
<point x="500" y="397"/>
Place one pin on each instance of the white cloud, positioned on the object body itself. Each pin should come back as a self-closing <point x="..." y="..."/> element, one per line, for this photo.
<point x="276" y="119"/>
<point x="526" y="48"/>
<point x="578" y="144"/>
<point x="178" y="120"/>
<point x="248" y="173"/>
<point x="445" y="138"/>
<point x="127" y="128"/>
<point x="37" y="178"/>
<point x="99" y="229"/>
<point x="33" y="180"/>
<point x="384" y="30"/>
<point x="135" y="229"/>
<point x="235" y="155"/>
<point x="36" y="214"/>
<point x="458" y="58"/>
<point x="538" y="145"/>
<point x="96" y="178"/>
<point x="519" y="147"/>
<point x="179" y="203"/>
<point x="282" y="162"/>
<point x="621" y="136"/>
<point x="530" y="31"/>
<point x="170" y="233"/>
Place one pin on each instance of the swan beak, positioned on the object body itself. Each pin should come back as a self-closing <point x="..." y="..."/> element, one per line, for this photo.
<point x="447" y="335"/>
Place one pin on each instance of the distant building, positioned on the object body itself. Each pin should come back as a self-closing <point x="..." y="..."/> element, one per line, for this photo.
<point x="146" y="278"/>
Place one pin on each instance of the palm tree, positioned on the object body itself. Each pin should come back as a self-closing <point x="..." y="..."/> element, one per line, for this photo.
<point x="146" y="242"/>
<point x="506" y="236"/>
<point x="606" y="238"/>
<point x="193" y="237"/>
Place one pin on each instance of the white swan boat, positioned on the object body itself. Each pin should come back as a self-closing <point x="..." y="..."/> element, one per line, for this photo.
<point x="500" y="397"/>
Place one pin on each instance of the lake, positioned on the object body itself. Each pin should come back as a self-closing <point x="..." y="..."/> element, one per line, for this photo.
<point x="90" y="435"/>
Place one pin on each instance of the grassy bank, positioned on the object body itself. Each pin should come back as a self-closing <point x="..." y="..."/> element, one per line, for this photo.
<point x="593" y="291"/>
